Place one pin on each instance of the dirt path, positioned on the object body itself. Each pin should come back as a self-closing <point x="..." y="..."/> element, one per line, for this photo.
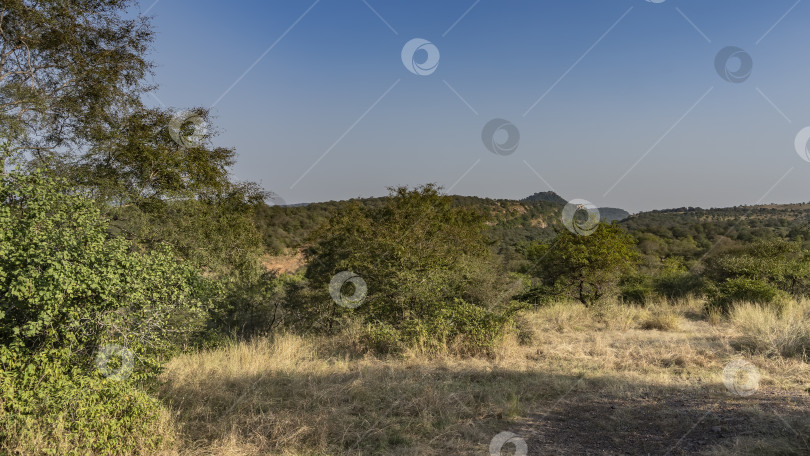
<point x="665" y="422"/>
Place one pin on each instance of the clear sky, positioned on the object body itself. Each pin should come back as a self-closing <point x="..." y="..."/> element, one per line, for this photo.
<point x="618" y="102"/>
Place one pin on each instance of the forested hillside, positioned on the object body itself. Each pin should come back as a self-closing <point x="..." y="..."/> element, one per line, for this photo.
<point x="687" y="232"/>
<point x="512" y="221"/>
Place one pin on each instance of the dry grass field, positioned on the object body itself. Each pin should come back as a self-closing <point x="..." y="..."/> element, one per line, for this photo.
<point x="567" y="380"/>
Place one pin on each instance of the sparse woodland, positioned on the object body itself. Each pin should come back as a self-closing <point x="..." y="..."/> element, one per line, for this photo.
<point x="121" y="243"/>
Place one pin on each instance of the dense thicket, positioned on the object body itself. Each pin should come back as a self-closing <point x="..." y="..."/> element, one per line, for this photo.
<point x="69" y="293"/>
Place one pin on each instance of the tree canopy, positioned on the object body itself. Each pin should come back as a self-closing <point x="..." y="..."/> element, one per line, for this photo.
<point x="430" y="275"/>
<point x="67" y="68"/>
<point x="586" y="268"/>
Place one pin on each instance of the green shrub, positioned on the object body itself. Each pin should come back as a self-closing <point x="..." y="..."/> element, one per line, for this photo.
<point x="784" y="265"/>
<point x="678" y="285"/>
<point x="470" y="328"/>
<point x="675" y="281"/>
<point x="635" y="289"/>
<point x="65" y="284"/>
<point x="67" y="290"/>
<point x="250" y="308"/>
<point x="765" y="272"/>
<point x="744" y="290"/>
<point x="542" y="295"/>
<point x="49" y="409"/>
<point x="382" y="338"/>
<point x="431" y="278"/>
<point x="462" y="327"/>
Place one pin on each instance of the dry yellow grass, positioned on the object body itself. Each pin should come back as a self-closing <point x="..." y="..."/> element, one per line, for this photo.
<point x="662" y="318"/>
<point x="581" y="380"/>
<point x="776" y="333"/>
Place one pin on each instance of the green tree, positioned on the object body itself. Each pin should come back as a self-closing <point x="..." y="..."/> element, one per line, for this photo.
<point x="430" y="276"/>
<point x="760" y="272"/>
<point x="66" y="66"/>
<point x="72" y="77"/>
<point x="586" y="268"/>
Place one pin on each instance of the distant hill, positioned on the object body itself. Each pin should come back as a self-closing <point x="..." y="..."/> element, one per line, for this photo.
<point x="537" y="217"/>
<point x="686" y="231"/>
<point x="691" y="232"/>
<point x="511" y="222"/>
<point x="607" y="214"/>
<point x="550" y="197"/>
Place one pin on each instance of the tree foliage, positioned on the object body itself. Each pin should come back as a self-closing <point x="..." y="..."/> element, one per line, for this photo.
<point x="72" y="75"/>
<point x="67" y="287"/>
<point x="586" y="268"/>
<point x="427" y="265"/>
<point x="67" y="67"/>
<point x="759" y="272"/>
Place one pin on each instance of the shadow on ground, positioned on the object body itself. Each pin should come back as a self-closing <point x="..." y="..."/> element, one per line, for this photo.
<point x="392" y="408"/>
<point x="675" y="421"/>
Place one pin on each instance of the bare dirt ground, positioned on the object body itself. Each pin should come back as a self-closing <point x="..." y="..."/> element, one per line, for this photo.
<point x="283" y="264"/>
<point x="665" y="422"/>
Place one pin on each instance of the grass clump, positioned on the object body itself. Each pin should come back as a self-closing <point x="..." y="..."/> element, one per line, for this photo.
<point x="662" y="319"/>
<point x="774" y="332"/>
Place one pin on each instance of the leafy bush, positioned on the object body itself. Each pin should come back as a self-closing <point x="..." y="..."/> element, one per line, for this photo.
<point x="65" y="284"/>
<point x="382" y="338"/>
<point x="675" y="281"/>
<point x="67" y="289"/>
<point x="463" y="326"/>
<point x="743" y="290"/>
<point x="427" y="265"/>
<point x="49" y="408"/>
<point x="784" y="265"/>
<point x="251" y="307"/>
<point x="635" y="289"/>
<point x="764" y="272"/>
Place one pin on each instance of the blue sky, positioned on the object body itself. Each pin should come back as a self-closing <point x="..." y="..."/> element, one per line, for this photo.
<point x="633" y="112"/>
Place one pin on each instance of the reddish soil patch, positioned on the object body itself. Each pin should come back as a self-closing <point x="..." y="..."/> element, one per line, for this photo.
<point x="283" y="264"/>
